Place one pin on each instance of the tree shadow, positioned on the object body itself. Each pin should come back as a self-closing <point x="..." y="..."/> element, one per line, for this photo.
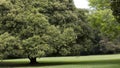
<point x="42" y="64"/>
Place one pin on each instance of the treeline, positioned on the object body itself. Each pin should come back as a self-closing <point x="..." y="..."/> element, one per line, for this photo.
<point x="56" y="28"/>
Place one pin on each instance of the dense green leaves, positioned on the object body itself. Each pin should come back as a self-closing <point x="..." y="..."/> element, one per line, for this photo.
<point x="104" y="21"/>
<point x="10" y="46"/>
<point x="115" y="4"/>
<point x="99" y="4"/>
<point x="23" y="20"/>
<point x="105" y="26"/>
<point x="36" y="47"/>
<point x="42" y="27"/>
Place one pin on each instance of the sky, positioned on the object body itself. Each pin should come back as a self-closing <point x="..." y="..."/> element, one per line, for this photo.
<point x="81" y="3"/>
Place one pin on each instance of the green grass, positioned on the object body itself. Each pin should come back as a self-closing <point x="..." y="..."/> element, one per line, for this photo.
<point x="99" y="61"/>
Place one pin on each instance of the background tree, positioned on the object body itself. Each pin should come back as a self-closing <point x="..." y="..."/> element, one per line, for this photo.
<point x="99" y="4"/>
<point x="103" y="23"/>
<point x="115" y="6"/>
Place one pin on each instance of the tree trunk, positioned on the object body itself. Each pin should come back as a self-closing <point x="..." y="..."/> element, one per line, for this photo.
<point x="33" y="61"/>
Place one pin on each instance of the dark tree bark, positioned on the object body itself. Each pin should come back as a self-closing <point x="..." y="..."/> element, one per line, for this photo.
<point x="33" y="61"/>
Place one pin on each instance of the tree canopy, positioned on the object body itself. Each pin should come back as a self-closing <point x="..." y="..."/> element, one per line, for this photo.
<point x="41" y="27"/>
<point x="115" y="6"/>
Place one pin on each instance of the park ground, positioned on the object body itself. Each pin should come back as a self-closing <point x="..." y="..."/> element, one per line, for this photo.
<point x="95" y="61"/>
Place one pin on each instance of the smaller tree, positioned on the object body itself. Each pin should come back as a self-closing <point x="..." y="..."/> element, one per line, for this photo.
<point x="107" y="47"/>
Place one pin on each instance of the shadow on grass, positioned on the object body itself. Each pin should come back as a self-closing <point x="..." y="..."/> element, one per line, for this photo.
<point x="13" y="64"/>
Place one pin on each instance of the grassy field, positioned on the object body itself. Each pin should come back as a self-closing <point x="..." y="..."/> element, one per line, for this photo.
<point x="99" y="61"/>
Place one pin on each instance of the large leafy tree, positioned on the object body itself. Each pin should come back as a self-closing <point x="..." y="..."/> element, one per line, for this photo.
<point x="45" y="27"/>
<point x="21" y="19"/>
<point x="31" y="22"/>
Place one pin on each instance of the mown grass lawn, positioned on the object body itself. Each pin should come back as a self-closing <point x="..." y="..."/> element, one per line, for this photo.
<point x="99" y="61"/>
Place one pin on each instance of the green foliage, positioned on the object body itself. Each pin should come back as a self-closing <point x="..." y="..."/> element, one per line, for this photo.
<point x="31" y="22"/>
<point x="35" y="47"/>
<point x="67" y="38"/>
<point x="61" y="12"/>
<point x="105" y="26"/>
<point x="23" y="20"/>
<point x="105" y="23"/>
<point x="99" y="4"/>
<point x="76" y="49"/>
<point x="10" y="46"/>
<point x="115" y="8"/>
